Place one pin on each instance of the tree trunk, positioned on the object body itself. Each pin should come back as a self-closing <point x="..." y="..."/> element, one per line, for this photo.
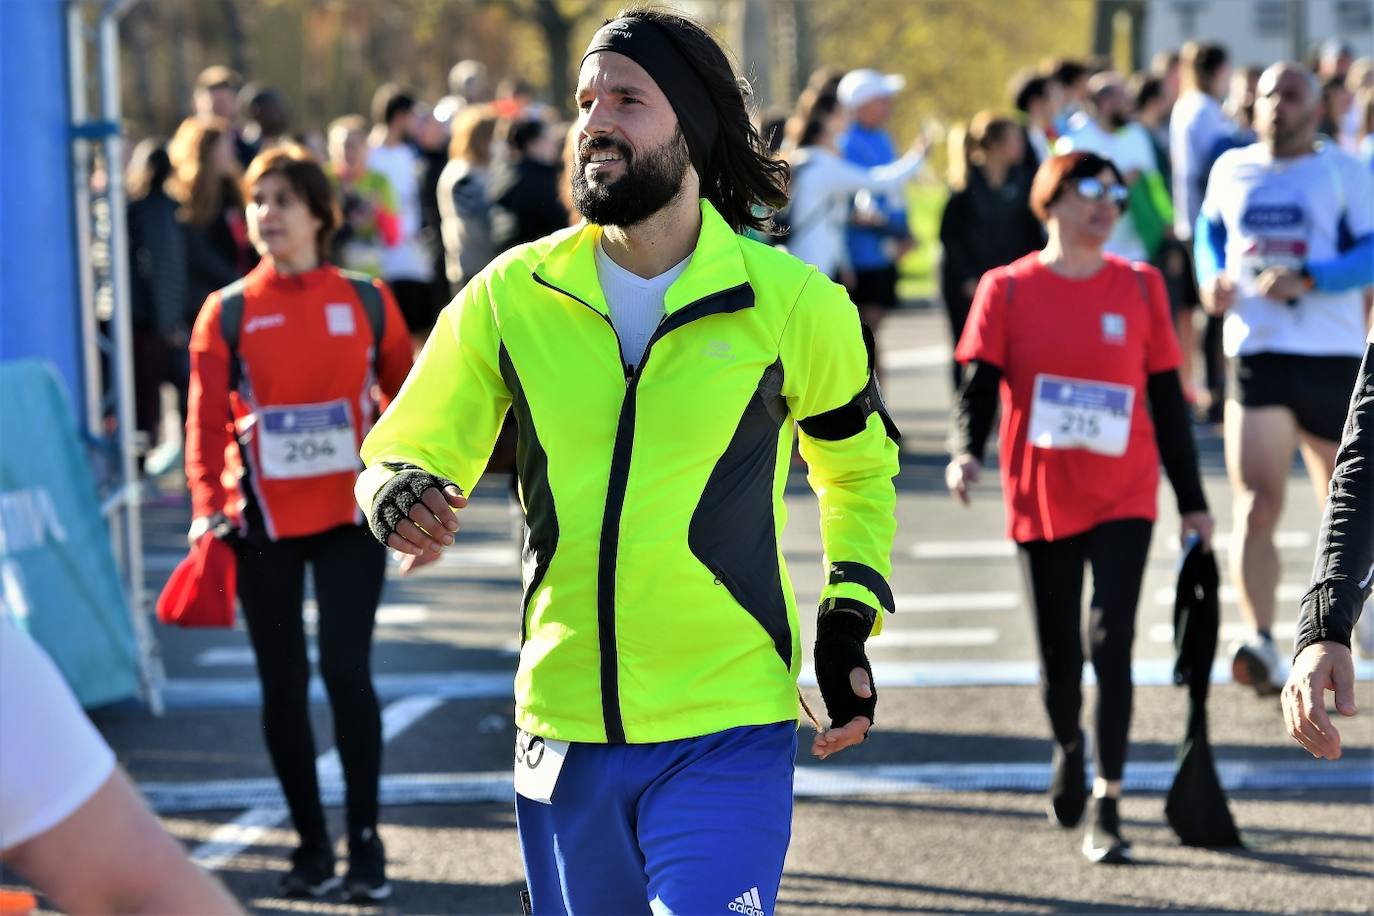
<point x="557" y="30"/>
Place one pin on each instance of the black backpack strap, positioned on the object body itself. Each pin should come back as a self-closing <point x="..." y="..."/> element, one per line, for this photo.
<point x="231" y="325"/>
<point x="851" y="419"/>
<point x="371" y="298"/>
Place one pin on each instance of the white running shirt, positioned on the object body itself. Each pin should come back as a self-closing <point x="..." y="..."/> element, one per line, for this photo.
<point x="1285" y="213"/>
<point x="408" y="259"/>
<point x="52" y="760"/>
<point x="636" y="303"/>
<point x="1130" y="149"/>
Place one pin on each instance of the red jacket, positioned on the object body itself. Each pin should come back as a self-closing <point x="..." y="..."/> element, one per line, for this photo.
<point x="286" y="440"/>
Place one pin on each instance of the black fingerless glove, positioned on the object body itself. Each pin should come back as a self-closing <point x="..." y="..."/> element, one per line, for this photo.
<point x="841" y="629"/>
<point x="394" y="500"/>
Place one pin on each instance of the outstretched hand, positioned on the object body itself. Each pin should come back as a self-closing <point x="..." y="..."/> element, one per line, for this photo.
<point x="833" y="740"/>
<point x="1320" y="667"/>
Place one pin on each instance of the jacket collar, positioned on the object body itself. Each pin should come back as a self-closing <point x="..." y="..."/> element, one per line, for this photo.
<point x="716" y="265"/>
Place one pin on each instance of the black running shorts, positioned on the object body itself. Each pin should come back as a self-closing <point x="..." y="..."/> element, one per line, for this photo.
<point x="1315" y="388"/>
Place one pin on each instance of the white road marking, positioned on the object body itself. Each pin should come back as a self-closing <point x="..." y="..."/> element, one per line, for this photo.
<point x="977" y="549"/>
<point x="246" y="829"/>
<point x="1283" y="630"/>
<point x="1288" y="593"/>
<point x="930" y="357"/>
<point x="812" y="780"/>
<point x="935" y="638"/>
<point x="945" y="602"/>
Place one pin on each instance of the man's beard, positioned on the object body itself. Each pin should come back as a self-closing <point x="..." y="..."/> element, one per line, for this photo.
<point x="650" y="181"/>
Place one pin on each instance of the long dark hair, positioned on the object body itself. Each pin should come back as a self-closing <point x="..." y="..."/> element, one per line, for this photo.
<point x="742" y="181"/>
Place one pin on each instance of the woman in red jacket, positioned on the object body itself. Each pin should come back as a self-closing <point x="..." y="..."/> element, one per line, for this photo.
<point x="290" y="366"/>
<point x="1081" y="346"/>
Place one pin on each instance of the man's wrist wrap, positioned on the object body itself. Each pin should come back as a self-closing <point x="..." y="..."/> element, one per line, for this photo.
<point x="841" y="629"/>
<point x="394" y="500"/>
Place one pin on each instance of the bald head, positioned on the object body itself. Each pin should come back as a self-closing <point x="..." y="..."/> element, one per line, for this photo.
<point x="1287" y="109"/>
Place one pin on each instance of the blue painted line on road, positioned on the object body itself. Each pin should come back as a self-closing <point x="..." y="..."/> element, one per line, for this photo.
<point x="1255" y="775"/>
<point x="245" y="693"/>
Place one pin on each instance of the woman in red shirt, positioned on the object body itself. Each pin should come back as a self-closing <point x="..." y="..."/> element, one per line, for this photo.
<point x="1081" y="347"/>
<point x="290" y="367"/>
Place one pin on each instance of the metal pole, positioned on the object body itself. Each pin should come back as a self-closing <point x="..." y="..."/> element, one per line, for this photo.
<point x="122" y="361"/>
<point x="81" y="179"/>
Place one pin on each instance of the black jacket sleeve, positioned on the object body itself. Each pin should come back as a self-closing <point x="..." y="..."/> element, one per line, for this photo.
<point x="976" y="409"/>
<point x="1174" y="436"/>
<point x="1345" y="546"/>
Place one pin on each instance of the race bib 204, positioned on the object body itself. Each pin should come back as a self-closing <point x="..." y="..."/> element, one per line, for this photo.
<point x="1078" y="413"/>
<point x="306" y="440"/>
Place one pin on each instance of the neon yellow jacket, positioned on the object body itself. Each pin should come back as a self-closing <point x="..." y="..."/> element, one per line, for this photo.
<point x="657" y="605"/>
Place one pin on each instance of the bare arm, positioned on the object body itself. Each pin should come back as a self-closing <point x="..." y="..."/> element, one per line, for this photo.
<point x="112" y="856"/>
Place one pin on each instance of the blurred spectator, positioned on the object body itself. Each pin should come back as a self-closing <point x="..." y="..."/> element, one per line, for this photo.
<point x="1333" y="60"/>
<point x="1164" y="67"/>
<point x="1105" y="128"/>
<point x="406" y="266"/>
<point x="467" y="85"/>
<point x="1337" y="102"/>
<point x="1150" y="109"/>
<point x="265" y="118"/>
<point x="205" y="182"/>
<point x="524" y="196"/>
<point x="157" y="282"/>
<point x="879" y="234"/>
<point x="987" y="221"/>
<point x="367" y="202"/>
<point x="431" y="139"/>
<point x="217" y="96"/>
<point x="1240" y="105"/>
<point x="1038" y="98"/>
<point x="823" y="183"/>
<point x="1360" y="77"/>
<point x="1198" y="124"/>
<point x="464" y="208"/>
<point x="1364" y="107"/>
<point x="568" y="163"/>
<point x="1072" y="77"/>
<point x="512" y="98"/>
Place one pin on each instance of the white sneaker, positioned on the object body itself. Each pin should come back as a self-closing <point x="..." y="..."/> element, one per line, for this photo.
<point x="1255" y="662"/>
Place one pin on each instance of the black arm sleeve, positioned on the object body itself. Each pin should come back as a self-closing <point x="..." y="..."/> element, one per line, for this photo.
<point x="1174" y="436"/>
<point x="1345" y="547"/>
<point x="976" y="409"/>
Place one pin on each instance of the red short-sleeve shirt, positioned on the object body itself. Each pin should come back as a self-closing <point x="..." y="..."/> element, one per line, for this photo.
<point x="1077" y="443"/>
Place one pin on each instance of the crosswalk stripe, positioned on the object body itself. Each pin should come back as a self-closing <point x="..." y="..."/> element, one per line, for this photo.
<point x="935" y="637"/>
<point x="812" y="781"/>
<point x="1287" y="593"/>
<point x="979" y="548"/>
<point x="942" y="602"/>
<point x="1283" y="630"/>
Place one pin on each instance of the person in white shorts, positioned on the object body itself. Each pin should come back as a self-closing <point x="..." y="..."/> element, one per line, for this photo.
<point x="1284" y="245"/>
<point x="70" y="821"/>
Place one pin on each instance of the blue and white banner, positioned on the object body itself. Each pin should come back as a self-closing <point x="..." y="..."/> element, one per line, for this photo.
<point x="57" y="572"/>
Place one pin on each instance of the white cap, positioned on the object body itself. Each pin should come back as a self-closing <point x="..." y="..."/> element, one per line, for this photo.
<point x="860" y="86"/>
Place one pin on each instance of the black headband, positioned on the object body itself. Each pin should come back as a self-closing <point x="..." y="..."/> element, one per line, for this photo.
<point x="646" y="44"/>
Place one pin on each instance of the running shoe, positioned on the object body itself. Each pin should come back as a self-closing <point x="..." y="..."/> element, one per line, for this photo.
<point x="1068" y="785"/>
<point x="366" y="868"/>
<point x="1255" y="663"/>
<point x="1103" y="843"/>
<point x="311" y="874"/>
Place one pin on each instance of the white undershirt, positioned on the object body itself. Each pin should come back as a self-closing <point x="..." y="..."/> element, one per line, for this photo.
<point x="635" y="303"/>
<point x="52" y="760"/>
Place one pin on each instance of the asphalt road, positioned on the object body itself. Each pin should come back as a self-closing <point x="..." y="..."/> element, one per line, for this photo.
<point x="940" y="811"/>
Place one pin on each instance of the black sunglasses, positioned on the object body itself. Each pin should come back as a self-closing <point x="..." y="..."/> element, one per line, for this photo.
<point x="1094" y="190"/>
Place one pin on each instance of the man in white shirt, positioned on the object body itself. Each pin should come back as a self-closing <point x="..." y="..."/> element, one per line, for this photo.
<point x="1104" y="128"/>
<point x="1284" y="245"/>
<point x="406" y="266"/>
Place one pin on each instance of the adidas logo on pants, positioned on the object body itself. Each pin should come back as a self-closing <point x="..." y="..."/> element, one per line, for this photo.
<point x="748" y="904"/>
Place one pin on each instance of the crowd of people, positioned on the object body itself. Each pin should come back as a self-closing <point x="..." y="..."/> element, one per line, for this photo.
<point x="1096" y="241"/>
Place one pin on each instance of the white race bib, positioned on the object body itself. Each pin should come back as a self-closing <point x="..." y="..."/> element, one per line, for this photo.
<point x="538" y="761"/>
<point x="1077" y="413"/>
<point x="306" y="440"/>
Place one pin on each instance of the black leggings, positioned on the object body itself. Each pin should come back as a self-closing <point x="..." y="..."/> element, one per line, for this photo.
<point x="1117" y="551"/>
<point x="349" y="566"/>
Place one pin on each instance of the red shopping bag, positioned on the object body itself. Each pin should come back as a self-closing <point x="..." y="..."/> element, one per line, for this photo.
<point x="202" y="588"/>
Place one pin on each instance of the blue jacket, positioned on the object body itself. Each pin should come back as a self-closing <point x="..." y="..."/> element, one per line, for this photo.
<point x="869" y="148"/>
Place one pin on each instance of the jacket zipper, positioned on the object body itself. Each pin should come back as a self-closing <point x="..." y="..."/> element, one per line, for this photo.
<point x="621" y="453"/>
